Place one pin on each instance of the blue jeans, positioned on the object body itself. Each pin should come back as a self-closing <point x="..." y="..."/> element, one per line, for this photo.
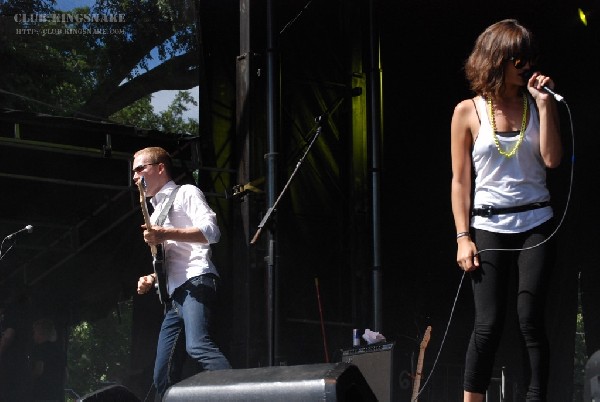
<point x="187" y="323"/>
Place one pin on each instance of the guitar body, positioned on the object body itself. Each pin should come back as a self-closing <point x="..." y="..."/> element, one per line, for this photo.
<point x="159" y="265"/>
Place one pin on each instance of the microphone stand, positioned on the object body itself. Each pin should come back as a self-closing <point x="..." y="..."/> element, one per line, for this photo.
<point x="267" y="217"/>
<point x="12" y="236"/>
<point x="271" y="324"/>
<point x="11" y="246"/>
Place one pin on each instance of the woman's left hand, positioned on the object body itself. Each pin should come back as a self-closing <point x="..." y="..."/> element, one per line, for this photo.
<point x="535" y="86"/>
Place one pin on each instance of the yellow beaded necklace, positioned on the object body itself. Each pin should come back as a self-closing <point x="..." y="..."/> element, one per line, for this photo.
<point x="521" y="132"/>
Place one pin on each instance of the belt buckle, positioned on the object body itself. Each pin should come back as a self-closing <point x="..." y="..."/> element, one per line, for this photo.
<point x="487" y="210"/>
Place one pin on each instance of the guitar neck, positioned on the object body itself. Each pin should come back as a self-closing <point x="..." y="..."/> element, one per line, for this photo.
<point x="418" y="373"/>
<point x="417" y="382"/>
<point x="147" y="221"/>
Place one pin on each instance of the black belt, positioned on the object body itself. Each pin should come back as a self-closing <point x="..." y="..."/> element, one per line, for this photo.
<point x="488" y="210"/>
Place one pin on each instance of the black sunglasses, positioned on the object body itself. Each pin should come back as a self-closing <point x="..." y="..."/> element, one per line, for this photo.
<point x="139" y="168"/>
<point x="520" y="62"/>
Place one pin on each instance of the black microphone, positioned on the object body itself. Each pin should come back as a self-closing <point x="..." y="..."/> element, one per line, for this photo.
<point x="559" y="98"/>
<point x="27" y="228"/>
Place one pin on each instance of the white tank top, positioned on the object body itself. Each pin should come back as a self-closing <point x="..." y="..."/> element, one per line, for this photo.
<point x="509" y="182"/>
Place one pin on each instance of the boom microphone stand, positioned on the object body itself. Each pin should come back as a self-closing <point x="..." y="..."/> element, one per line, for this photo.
<point x="270" y="280"/>
<point x="318" y="120"/>
<point x="12" y="236"/>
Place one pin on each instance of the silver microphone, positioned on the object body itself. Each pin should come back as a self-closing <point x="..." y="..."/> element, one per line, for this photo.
<point x="27" y="229"/>
<point x="559" y="98"/>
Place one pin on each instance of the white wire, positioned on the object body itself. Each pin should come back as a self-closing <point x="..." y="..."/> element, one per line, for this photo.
<point x="443" y="339"/>
<point x="564" y="214"/>
<point x="7" y="250"/>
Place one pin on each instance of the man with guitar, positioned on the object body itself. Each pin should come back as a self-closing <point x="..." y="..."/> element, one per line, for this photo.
<point x="183" y="268"/>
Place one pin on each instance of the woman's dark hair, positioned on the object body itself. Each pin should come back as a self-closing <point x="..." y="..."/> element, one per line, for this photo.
<point x="499" y="43"/>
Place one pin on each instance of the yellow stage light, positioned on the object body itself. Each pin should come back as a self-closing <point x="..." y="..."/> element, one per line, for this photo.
<point x="582" y="17"/>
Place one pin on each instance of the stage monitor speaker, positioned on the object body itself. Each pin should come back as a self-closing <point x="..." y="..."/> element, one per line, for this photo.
<point x="112" y="393"/>
<point x="303" y="383"/>
<point x="377" y="364"/>
<point x="591" y="387"/>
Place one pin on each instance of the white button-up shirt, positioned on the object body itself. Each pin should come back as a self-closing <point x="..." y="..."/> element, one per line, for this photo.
<point x="184" y="260"/>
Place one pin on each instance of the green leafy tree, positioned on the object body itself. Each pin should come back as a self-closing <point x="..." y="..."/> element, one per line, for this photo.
<point x="141" y="114"/>
<point x="105" y="65"/>
<point x="99" y="351"/>
<point x="40" y="72"/>
<point x="172" y="120"/>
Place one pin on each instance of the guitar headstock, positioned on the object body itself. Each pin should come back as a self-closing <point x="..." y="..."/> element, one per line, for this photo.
<point x="141" y="185"/>
<point x="426" y="337"/>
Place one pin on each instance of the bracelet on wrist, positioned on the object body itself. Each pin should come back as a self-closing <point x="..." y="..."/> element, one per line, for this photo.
<point x="463" y="234"/>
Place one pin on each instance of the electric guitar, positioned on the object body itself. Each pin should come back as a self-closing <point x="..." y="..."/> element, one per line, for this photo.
<point x="157" y="251"/>
<point x="418" y="373"/>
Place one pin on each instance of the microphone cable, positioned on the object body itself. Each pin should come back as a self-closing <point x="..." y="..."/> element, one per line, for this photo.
<point x="7" y="250"/>
<point x="443" y="340"/>
<point x="570" y="190"/>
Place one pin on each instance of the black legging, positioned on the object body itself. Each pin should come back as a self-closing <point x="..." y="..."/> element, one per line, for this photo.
<point x="490" y="287"/>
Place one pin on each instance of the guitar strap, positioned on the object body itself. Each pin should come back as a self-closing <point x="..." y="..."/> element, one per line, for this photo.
<point x="163" y="213"/>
